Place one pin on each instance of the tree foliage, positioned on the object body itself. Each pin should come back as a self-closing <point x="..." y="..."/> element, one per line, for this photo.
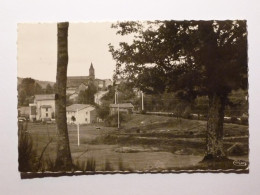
<point x="49" y="89"/>
<point x="28" y="88"/>
<point x="191" y="58"/>
<point x="87" y="96"/>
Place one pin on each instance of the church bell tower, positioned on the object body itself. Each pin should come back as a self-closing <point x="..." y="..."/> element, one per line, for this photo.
<point x="91" y="72"/>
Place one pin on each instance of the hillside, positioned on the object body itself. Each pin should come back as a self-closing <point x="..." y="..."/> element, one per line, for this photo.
<point x="43" y="84"/>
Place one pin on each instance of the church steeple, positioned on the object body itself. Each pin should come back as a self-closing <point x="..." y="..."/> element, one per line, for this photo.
<point x="91" y="71"/>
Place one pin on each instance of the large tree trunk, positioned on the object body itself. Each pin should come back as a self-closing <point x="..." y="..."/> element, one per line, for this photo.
<point x="63" y="160"/>
<point x="215" y="150"/>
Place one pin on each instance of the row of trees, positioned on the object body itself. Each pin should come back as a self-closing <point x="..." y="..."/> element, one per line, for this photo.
<point x="28" y="88"/>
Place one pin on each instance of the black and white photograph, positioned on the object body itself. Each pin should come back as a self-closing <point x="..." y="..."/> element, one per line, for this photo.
<point x="129" y="97"/>
<point x="161" y="96"/>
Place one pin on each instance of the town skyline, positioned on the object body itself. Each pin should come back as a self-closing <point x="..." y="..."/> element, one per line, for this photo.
<point x="87" y="43"/>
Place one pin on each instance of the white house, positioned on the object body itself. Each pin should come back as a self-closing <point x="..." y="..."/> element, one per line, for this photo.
<point x="43" y="107"/>
<point x="81" y="113"/>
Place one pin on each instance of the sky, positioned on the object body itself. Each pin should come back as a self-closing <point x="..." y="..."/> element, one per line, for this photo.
<point x="87" y="42"/>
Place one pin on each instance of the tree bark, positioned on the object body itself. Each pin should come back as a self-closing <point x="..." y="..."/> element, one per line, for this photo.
<point x="63" y="160"/>
<point x="215" y="150"/>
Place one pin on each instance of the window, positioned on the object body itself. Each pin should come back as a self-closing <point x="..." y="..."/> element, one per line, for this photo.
<point x="46" y="109"/>
<point x="86" y="119"/>
<point x="86" y="113"/>
<point x="46" y="114"/>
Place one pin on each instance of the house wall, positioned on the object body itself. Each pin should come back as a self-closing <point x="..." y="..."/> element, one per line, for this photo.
<point x="69" y="115"/>
<point x="93" y="116"/>
<point x="84" y="116"/>
<point x="41" y="113"/>
<point x="46" y="113"/>
<point x="125" y="110"/>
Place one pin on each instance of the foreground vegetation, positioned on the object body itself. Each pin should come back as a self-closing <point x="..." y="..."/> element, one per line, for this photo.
<point x="143" y="143"/>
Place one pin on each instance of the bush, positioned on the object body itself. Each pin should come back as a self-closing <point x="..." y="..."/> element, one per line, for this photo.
<point x="103" y="112"/>
<point x="143" y="112"/>
<point x="26" y="153"/>
<point x="112" y="120"/>
<point x="233" y="119"/>
<point x="89" y="165"/>
<point x="244" y="120"/>
<point x="187" y="113"/>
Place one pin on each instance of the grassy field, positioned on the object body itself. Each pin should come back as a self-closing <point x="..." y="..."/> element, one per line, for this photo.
<point x="144" y="143"/>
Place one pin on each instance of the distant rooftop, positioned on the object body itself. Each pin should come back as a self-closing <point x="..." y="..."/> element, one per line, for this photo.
<point x="40" y="97"/>
<point x="123" y="105"/>
<point x="75" y="107"/>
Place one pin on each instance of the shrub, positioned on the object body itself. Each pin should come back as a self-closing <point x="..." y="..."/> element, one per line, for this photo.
<point x="233" y="119"/>
<point x="103" y="112"/>
<point x="108" y="166"/>
<point x="143" y="112"/>
<point x="112" y="120"/>
<point x="26" y="153"/>
<point x="89" y="165"/>
<point x="244" y="120"/>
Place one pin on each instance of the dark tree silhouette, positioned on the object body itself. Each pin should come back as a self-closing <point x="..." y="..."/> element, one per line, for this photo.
<point x="49" y="89"/>
<point x="192" y="58"/>
<point x="63" y="161"/>
<point x="28" y="88"/>
<point x="87" y="96"/>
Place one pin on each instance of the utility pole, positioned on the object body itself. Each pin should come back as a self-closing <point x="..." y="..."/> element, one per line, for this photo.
<point x="78" y="126"/>
<point x="115" y="96"/>
<point x="118" y="120"/>
<point x="142" y="100"/>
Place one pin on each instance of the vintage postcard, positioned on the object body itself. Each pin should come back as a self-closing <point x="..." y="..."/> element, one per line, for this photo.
<point x="132" y="97"/>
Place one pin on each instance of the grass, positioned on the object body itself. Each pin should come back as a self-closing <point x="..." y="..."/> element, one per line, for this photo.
<point x="179" y="144"/>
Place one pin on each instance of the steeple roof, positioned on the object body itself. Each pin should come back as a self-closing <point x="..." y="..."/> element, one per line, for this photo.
<point x="91" y="66"/>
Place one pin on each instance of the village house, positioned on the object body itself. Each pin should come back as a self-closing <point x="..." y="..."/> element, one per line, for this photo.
<point x="43" y="107"/>
<point x="81" y="113"/>
<point x="124" y="107"/>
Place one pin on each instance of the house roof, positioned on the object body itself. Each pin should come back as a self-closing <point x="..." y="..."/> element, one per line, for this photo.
<point x="75" y="107"/>
<point x="75" y="81"/>
<point x="40" y="97"/>
<point x="124" y="105"/>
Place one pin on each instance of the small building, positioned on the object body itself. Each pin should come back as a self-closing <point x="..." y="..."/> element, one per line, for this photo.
<point x="43" y="107"/>
<point x="81" y="113"/>
<point x="124" y="107"/>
